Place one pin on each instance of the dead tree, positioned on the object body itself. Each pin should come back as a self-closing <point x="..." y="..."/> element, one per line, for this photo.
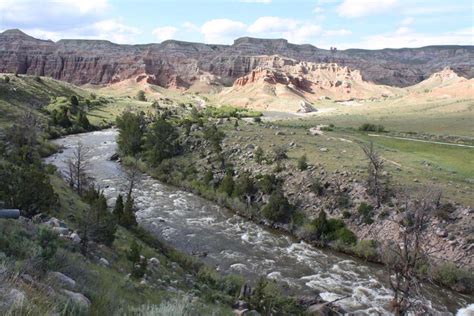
<point x="132" y="176"/>
<point x="77" y="168"/>
<point x="375" y="170"/>
<point x="404" y="257"/>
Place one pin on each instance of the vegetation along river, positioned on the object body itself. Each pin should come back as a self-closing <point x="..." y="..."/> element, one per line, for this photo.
<point x="235" y="245"/>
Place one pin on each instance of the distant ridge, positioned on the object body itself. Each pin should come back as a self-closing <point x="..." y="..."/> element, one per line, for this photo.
<point x="183" y="64"/>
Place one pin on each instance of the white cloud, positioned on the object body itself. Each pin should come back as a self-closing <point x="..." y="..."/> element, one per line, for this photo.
<point x="407" y="21"/>
<point x="359" y="8"/>
<point x="404" y="37"/>
<point x="341" y="32"/>
<point x="165" y="32"/>
<point x="318" y="10"/>
<point x="222" y="30"/>
<point x="293" y="30"/>
<point x="111" y="29"/>
<point x="190" y="27"/>
<point x="86" y="6"/>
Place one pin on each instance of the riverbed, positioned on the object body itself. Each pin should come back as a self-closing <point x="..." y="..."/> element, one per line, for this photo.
<point x="235" y="245"/>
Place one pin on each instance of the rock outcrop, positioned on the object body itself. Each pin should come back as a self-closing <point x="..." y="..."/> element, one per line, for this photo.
<point x="179" y="64"/>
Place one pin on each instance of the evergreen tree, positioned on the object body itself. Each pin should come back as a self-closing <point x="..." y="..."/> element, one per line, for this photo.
<point x="259" y="155"/>
<point x="83" y="121"/>
<point x="128" y="219"/>
<point x="131" y="129"/>
<point x="302" y="163"/>
<point x="141" y="95"/>
<point x="227" y="184"/>
<point x="74" y="104"/>
<point x="161" y="142"/>
<point x="119" y="207"/>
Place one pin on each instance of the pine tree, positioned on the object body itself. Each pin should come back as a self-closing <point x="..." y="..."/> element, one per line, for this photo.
<point x="128" y="219"/>
<point x="74" y="104"/>
<point x="118" y="209"/>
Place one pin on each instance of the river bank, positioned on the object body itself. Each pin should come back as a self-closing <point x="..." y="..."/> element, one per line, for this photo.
<point x="235" y="245"/>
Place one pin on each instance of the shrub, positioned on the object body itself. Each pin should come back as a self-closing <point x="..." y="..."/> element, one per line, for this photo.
<point x="278" y="209"/>
<point x="366" y="212"/>
<point x="346" y="236"/>
<point x="366" y="249"/>
<point x="317" y="187"/>
<point x="346" y="214"/>
<point x="227" y="184"/>
<point x="48" y="242"/>
<point x="259" y="154"/>
<point x="141" y="95"/>
<point x="268" y="183"/>
<point x="449" y="274"/>
<point x="280" y="153"/>
<point x="368" y="127"/>
<point x="303" y="163"/>
<point x="257" y="119"/>
<point x="6" y="79"/>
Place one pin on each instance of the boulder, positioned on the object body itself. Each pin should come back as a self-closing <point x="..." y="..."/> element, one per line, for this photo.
<point x="104" y="262"/>
<point x="11" y="298"/>
<point x="62" y="280"/>
<point x="114" y="157"/>
<point x="306" y="107"/>
<point x="78" y="299"/>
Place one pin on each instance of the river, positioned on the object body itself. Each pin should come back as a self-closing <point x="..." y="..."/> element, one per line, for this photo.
<point x="236" y="245"/>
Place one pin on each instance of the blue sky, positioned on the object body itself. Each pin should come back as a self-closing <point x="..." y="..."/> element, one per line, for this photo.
<point x="369" y="24"/>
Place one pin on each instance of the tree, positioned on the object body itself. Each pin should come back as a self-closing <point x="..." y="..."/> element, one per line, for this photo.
<point x="141" y="95"/>
<point x="303" y="163"/>
<point x="227" y="184"/>
<point x="259" y="155"/>
<point x="215" y="137"/>
<point x="83" y="121"/>
<point x="131" y="129"/>
<point x="245" y="187"/>
<point x="161" y="142"/>
<point x="403" y="258"/>
<point x="375" y="181"/>
<point x="118" y="208"/>
<point x="132" y="176"/>
<point x="74" y="104"/>
<point x="26" y="188"/>
<point x="278" y="209"/>
<point x="128" y="219"/>
<point x="77" y="168"/>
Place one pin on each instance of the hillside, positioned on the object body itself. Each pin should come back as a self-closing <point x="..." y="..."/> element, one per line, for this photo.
<point x="182" y="64"/>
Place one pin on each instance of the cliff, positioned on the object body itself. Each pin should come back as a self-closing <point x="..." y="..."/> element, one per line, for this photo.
<point x="103" y="62"/>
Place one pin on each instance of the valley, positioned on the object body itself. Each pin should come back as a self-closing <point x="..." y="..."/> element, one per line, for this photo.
<point x="263" y="177"/>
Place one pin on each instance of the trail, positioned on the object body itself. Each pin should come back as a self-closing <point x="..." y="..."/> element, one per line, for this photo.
<point x="421" y="140"/>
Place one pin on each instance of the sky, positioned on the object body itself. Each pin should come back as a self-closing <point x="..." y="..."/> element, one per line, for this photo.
<point x="367" y="24"/>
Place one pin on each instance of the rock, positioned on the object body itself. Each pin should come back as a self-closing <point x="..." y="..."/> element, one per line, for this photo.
<point x="279" y="133"/>
<point x="75" y="238"/>
<point x="416" y="180"/>
<point x="240" y="305"/>
<point x="442" y="233"/>
<point x="323" y="149"/>
<point x="104" y="262"/>
<point x="306" y="107"/>
<point x="250" y="146"/>
<point x="154" y="263"/>
<point x="11" y="298"/>
<point x="114" y="157"/>
<point x="319" y="310"/>
<point x="54" y="222"/>
<point x="62" y="280"/>
<point x="60" y="230"/>
<point x="78" y="299"/>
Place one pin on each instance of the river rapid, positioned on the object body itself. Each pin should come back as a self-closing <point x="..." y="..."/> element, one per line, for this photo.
<point x="235" y="245"/>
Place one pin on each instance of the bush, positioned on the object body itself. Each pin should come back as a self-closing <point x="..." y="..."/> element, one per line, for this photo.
<point x="366" y="212"/>
<point x="346" y="236"/>
<point x="366" y="249"/>
<point x="6" y="79"/>
<point x="303" y="163"/>
<point x="141" y="95"/>
<point x="259" y="155"/>
<point x="368" y="127"/>
<point x="268" y="183"/>
<point x="450" y="275"/>
<point x="227" y="184"/>
<point x="346" y="214"/>
<point x="317" y="187"/>
<point x="278" y="209"/>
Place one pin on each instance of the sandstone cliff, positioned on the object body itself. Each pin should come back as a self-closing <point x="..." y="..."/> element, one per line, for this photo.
<point x="182" y="64"/>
